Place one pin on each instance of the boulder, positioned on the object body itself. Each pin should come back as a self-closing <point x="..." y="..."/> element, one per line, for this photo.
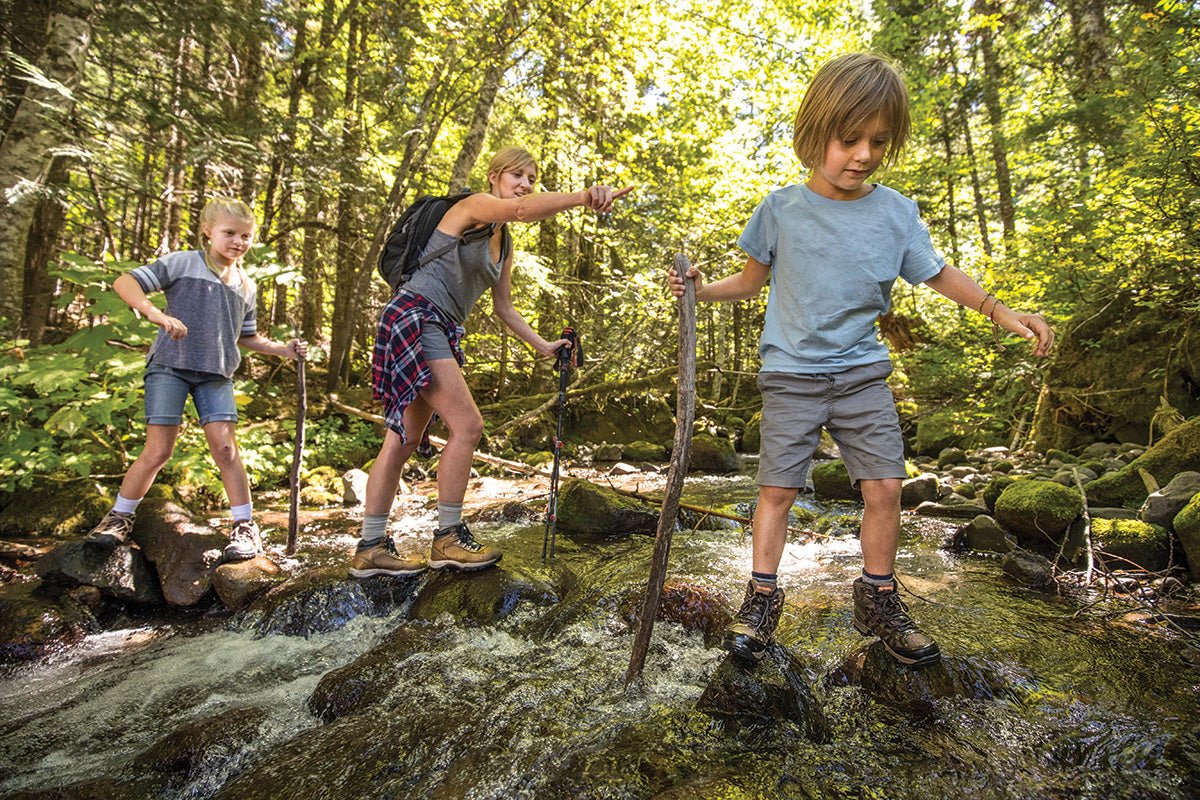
<point x="354" y="487"/>
<point x="710" y="454"/>
<point x="584" y="507"/>
<point x="122" y="573"/>
<point x="34" y="624"/>
<point x="1162" y="506"/>
<point x="1029" y="569"/>
<point x="984" y="533"/>
<point x="752" y="434"/>
<point x="692" y="607"/>
<point x="1038" y="511"/>
<point x="367" y="680"/>
<point x="203" y="746"/>
<point x="1187" y="528"/>
<point x="240" y="582"/>
<point x="921" y="489"/>
<point x="773" y="691"/>
<point x="992" y="492"/>
<point x="607" y="452"/>
<point x="831" y="480"/>
<point x="489" y="596"/>
<point x="184" y="552"/>
<point x="951" y="456"/>
<point x="54" y="508"/>
<point x="1131" y="540"/>
<point x="963" y="510"/>
<point x="1178" y="451"/>
<point x="325" y="600"/>
<point x="644" y="451"/>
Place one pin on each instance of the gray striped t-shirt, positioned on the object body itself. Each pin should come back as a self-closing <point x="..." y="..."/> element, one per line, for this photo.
<point x="216" y="315"/>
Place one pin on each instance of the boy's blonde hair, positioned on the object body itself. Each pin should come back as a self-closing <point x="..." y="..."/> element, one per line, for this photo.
<point x="508" y="159"/>
<point x="844" y="95"/>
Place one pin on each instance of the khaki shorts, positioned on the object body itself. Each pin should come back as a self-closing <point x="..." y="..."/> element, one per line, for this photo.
<point x="855" y="406"/>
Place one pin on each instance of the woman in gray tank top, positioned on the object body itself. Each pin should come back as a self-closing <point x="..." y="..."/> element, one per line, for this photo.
<point x="417" y="359"/>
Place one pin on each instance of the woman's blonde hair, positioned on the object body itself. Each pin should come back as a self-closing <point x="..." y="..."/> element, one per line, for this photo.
<point x="508" y="159"/>
<point x="843" y="96"/>
<point x="213" y="210"/>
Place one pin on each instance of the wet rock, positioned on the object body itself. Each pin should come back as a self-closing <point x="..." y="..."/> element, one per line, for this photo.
<point x="491" y="595"/>
<point x="621" y="468"/>
<point x="354" y="487"/>
<point x="963" y="510"/>
<point x="1038" y="511"/>
<point x="203" y="745"/>
<point x="1130" y="540"/>
<point x="774" y="690"/>
<point x="368" y="679"/>
<point x="995" y="487"/>
<point x="96" y="789"/>
<point x="694" y="608"/>
<point x="1161" y="507"/>
<point x="1187" y="528"/>
<point x="54" y="508"/>
<point x="20" y="555"/>
<point x="752" y="434"/>
<point x="644" y="451"/>
<point x="584" y="507"/>
<point x="184" y="552"/>
<point x="1103" y="512"/>
<point x="122" y="573"/>
<point x="950" y="456"/>
<point x="695" y="520"/>
<point x="1177" y="451"/>
<point x="607" y="452"/>
<point x="1029" y="569"/>
<point x="925" y="690"/>
<point x="710" y="454"/>
<point x="34" y="624"/>
<point x="325" y="600"/>
<point x="984" y="533"/>
<point x="921" y="489"/>
<point x="832" y="480"/>
<point x="240" y="582"/>
<point x="1067" y="477"/>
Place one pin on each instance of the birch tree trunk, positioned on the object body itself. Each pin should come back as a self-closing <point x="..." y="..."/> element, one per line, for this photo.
<point x="39" y="125"/>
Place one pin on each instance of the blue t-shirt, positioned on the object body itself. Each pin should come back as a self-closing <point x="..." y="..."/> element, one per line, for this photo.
<point x="833" y="263"/>
<point x="216" y="314"/>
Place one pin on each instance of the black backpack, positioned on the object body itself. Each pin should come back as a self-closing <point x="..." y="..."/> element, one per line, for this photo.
<point x="401" y="253"/>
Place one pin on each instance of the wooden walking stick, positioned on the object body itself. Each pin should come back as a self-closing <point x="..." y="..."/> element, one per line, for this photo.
<point x="298" y="452"/>
<point x="685" y="414"/>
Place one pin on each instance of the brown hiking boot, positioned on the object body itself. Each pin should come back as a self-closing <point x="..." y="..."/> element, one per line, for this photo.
<point x="753" y="629"/>
<point x="880" y="612"/>
<point x="112" y="531"/>
<point x="454" y="546"/>
<point x="382" y="559"/>
<point x="245" y="542"/>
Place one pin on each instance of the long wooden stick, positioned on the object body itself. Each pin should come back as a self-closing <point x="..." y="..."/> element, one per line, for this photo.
<point x="711" y="512"/>
<point x="297" y="457"/>
<point x="681" y="453"/>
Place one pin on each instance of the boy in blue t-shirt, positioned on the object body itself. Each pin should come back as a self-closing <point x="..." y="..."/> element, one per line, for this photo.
<point x="832" y="247"/>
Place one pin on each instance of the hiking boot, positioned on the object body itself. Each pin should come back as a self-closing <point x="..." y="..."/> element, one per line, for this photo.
<point x="382" y="559"/>
<point x="244" y="541"/>
<point x="753" y="629"/>
<point x="113" y="530"/>
<point x="880" y="612"/>
<point x="454" y="546"/>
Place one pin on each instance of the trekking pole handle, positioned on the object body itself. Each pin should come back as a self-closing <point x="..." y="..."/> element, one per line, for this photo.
<point x="572" y="355"/>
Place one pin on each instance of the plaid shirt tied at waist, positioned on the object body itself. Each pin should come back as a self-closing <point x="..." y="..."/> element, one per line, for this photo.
<point x="399" y="370"/>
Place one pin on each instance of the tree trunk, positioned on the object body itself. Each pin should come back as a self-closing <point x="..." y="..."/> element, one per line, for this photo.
<point x="43" y="240"/>
<point x="38" y="125"/>
<point x="993" y="76"/>
<point x="171" y="212"/>
<point x="23" y="33"/>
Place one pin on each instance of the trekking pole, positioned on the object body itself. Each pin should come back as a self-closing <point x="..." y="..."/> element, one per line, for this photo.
<point x="298" y="452"/>
<point x="681" y="453"/>
<point x="568" y="355"/>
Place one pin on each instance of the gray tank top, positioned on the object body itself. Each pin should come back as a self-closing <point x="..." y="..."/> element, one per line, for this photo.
<point x="455" y="280"/>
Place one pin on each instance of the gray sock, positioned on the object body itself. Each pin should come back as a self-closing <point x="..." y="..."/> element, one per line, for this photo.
<point x="374" y="528"/>
<point x="449" y="514"/>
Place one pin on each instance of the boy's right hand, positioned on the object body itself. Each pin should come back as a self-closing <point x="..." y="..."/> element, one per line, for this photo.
<point x="171" y="326"/>
<point x="675" y="283"/>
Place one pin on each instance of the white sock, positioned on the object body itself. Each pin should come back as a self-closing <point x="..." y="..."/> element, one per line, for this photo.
<point x="124" y="505"/>
<point x="242" y="513"/>
<point x="449" y="514"/>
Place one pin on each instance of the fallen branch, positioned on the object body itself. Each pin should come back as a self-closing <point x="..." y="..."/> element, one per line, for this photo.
<point x="712" y="512"/>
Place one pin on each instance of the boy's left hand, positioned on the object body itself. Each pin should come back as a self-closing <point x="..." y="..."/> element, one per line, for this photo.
<point x="297" y="348"/>
<point x="1035" y="328"/>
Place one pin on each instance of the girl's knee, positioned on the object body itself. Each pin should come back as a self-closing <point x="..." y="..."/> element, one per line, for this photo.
<point x="226" y="455"/>
<point x="156" y="457"/>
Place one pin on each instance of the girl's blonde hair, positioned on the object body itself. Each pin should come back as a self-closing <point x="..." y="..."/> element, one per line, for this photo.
<point x="843" y="96"/>
<point x="213" y="210"/>
<point x="508" y="159"/>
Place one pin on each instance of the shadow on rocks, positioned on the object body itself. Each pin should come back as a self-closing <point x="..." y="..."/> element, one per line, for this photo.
<point x="775" y="690"/>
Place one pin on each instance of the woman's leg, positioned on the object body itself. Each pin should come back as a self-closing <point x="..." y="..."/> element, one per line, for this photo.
<point x="450" y="397"/>
<point x="383" y="480"/>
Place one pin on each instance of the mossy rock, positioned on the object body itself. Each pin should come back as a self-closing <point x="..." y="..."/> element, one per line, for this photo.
<point x="710" y="454"/>
<point x="644" y="451"/>
<point x="1187" y="528"/>
<point x="1038" y="511"/>
<point x="752" y="433"/>
<point x="832" y="480"/>
<point x="992" y="492"/>
<point x="54" y="508"/>
<point x="951" y="456"/>
<point x="967" y="490"/>
<point x="584" y="507"/>
<point x="1060" y="455"/>
<point x="938" y="430"/>
<point x="1144" y="544"/>
<point x="539" y="458"/>
<point x="1178" y="451"/>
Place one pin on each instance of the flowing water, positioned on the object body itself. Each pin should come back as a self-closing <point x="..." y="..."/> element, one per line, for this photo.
<point x="510" y="684"/>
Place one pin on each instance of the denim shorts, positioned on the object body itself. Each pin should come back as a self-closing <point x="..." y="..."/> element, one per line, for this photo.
<point x="855" y="406"/>
<point x="167" y="390"/>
